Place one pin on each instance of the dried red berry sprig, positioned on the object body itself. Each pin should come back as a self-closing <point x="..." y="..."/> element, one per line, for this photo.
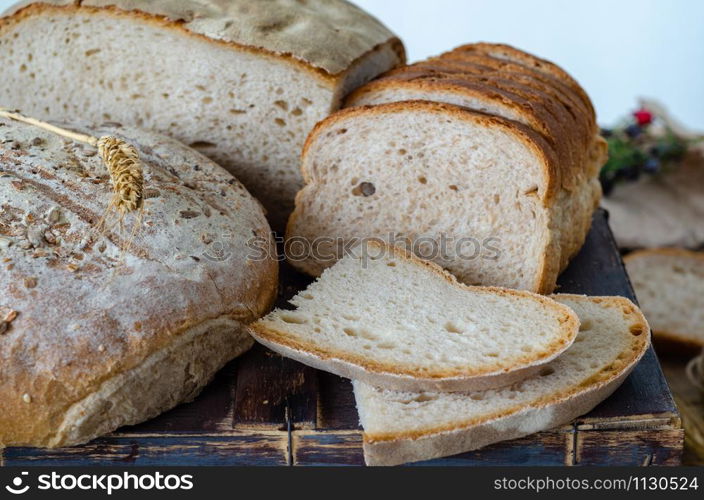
<point x="634" y="149"/>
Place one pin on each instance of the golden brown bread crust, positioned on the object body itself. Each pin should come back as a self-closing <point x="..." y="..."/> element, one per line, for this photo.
<point x="399" y="447"/>
<point x="481" y="64"/>
<point x="489" y="63"/>
<point x="391" y="376"/>
<point x="509" y="53"/>
<point x="89" y="310"/>
<point x="570" y="124"/>
<point x="553" y="87"/>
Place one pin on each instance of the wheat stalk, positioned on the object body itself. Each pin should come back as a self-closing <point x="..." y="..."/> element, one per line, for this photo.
<point x="120" y="159"/>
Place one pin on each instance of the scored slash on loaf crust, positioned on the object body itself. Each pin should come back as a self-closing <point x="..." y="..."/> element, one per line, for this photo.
<point x="111" y="327"/>
<point x="395" y="321"/>
<point x="413" y="167"/>
<point x="241" y="81"/>
<point x="404" y="427"/>
<point x="669" y="283"/>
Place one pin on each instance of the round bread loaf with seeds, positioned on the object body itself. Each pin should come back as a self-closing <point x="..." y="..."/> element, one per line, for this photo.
<point x="108" y="325"/>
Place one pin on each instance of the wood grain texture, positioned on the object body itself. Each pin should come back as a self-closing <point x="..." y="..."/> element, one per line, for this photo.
<point x="233" y="449"/>
<point x="262" y="409"/>
<point x="337" y="408"/>
<point x="545" y="448"/>
<point x="327" y="447"/>
<point x="639" y="447"/>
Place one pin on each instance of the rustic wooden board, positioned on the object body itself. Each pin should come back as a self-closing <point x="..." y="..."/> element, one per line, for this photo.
<point x="639" y="447"/>
<point x="262" y="409"/>
<point x="234" y="448"/>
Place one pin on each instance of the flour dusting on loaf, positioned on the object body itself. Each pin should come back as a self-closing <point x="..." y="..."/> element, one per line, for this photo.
<point x="90" y="308"/>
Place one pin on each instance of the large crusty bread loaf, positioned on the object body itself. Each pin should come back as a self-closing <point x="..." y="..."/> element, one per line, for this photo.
<point x="522" y="172"/>
<point x="241" y="81"/>
<point x="406" y="427"/>
<point x="384" y="317"/>
<point x="669" y="283"/>
<point x="96" y="331"/>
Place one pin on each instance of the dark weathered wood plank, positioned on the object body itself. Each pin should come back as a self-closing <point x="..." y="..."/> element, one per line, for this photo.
<point x="337" y="408"/>
<point x="597" y="269"/>
<point x="641" y="447"/>
<point x="235" y="449"/>
<point x="265" y="385"/>
<point x="544" y="448"/>
<point x="273" y="391"/>
<point x="345" y="448"/>
<point x="327" y="448"/>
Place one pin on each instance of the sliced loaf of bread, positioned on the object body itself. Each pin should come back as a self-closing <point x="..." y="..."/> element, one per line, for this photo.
<point x="669" y="283"/>
<point x="405" y="172"/>
<point x="484" y="193"/>
<point x="387" y="318"/>
<point x="404" y="427"/>
<point x="241" y="81"/>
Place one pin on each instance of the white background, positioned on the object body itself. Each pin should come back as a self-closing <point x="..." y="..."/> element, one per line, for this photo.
<point x="617" y="49"/>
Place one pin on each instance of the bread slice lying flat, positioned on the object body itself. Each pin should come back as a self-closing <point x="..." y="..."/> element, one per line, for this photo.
<point x="404" y="427"/>
<point x="486" y="191"/>
<point x="242" y="81"/>
<point x="392" y="320"/>
<point x="669" y="284"/>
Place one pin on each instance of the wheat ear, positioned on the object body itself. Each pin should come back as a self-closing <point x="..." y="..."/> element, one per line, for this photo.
<point x="120" y="159"/>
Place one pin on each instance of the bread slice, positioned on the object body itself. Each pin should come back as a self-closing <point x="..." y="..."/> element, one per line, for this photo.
<point x="467" y="62"/>
<point x="669" y="283"/>
<point x="407" y="427"/>
<point x="483" y="65"/>
<point x="487" y="190"/>
<point x="387" y="318"/>
<point x="453" y="77"/>
<point x="241" y="81"/>
<point x="505" y="97"/>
